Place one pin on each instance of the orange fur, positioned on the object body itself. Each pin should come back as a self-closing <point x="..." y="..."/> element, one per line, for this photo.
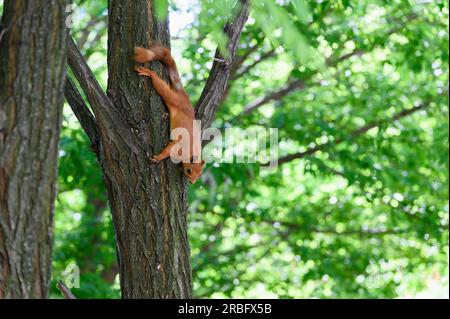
<point x="180" y="109"/>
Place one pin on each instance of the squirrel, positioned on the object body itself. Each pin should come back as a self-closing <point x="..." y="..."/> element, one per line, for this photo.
<point x="182" y="114"/>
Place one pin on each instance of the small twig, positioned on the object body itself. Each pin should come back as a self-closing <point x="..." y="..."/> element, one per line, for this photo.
<point x="65" y="291"/>
<point x="219" y="60"/>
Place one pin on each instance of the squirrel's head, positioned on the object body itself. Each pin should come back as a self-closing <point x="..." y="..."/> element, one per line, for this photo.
<point x="193" y="171"/>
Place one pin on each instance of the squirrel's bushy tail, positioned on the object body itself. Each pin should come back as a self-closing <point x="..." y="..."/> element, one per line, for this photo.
<point x="158" y="52"/>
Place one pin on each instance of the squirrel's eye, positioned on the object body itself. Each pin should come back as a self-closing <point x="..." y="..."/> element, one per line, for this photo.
<point x="189" y="171"/>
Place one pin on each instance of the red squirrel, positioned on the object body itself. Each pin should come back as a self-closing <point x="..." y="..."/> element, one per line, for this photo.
<point x="182" y="114"/>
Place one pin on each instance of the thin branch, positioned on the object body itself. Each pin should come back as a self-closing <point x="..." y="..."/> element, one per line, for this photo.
<point x="291" y="226"/>
<point x="291" y="86"/>
<point x="86" y="32"/>
<point x="349" y="232"/>
<point x="106" y="114"/>
<point x="240" y="59"/>
<point x="217" y="82"/>
<point x="97" y="98"/>
<point x="333" y="62"/>
<point x="65" y="291"/>
<point x="82" y="112"/>
<point x="294" y="85"/>
<point x="285" y="235"/>
<point x="298" y="85"/>
<point x="245" y="70"/>
<point x="236" y="73"/>
<point x="352" y="135"/>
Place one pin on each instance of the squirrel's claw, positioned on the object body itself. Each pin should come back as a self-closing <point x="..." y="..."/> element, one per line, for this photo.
<point x="154" y="159"/>
<point x="144" y="71"/>
<point x="140" y="70"/>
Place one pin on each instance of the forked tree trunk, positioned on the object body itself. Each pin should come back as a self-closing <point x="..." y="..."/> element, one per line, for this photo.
<point x="148" y="202"/>
<point x="33" y="42"/>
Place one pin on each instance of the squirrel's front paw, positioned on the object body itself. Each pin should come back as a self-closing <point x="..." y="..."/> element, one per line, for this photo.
<point x="144" y="71"/>
<point x="155" y="159"/>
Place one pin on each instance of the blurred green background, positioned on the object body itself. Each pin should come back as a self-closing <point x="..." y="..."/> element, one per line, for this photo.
<point x="364" y="217"/>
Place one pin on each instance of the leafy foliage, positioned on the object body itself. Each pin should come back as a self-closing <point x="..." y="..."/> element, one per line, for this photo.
<point x="364" y="216"/>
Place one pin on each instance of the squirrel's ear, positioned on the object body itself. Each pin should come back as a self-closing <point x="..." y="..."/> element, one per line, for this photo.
<point x="203" y="162"/>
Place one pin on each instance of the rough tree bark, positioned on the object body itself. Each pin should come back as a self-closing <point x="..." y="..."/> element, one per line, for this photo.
<point x="33" y="44"/>
<point x="148" y="202"/>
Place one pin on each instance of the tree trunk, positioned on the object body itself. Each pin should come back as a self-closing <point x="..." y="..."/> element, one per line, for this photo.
<point x="129" y="123"/>
<point x="33" y="42"/>
<point x="148" y="202"/>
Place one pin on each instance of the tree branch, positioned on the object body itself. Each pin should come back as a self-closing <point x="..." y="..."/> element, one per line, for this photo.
<point x="106" y="114"/>
<point x="240" y="59"/>
<point x="359" y="232"/>
<point x="82" y="112"/>
<point x="285" y="235"/>
<point x="291" y="86"/>
<point x="352" y="135"/>
<point x="294" y="85"/>
<point x="297" y="85"/>
<point x="65" y="291"/>
<point x="245" y="70"/>
<point x="98" y="99"/>
<point x="217" y="82"/>
<point x="87" y="30"/>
